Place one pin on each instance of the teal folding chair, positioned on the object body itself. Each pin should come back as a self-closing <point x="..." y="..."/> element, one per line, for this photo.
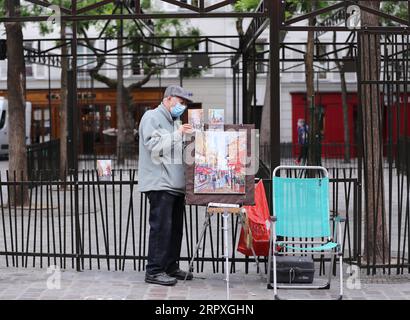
<point x="301" y="216"/>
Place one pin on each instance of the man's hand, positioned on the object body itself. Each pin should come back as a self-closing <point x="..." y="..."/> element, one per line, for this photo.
<point x="185" y="128"/>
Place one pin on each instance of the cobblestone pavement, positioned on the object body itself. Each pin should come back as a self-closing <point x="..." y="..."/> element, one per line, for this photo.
<point x="37" y="284"/>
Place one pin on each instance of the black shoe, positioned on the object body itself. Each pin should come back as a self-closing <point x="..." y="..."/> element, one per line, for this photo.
<point x="160" y="278"/>
<point x="180" y="275"/>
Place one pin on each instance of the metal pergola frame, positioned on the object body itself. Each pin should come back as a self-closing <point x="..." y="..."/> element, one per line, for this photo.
<point x="269" y="14"/>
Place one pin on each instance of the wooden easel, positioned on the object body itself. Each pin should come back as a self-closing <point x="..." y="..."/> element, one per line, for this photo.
<point x="226" y="210"/>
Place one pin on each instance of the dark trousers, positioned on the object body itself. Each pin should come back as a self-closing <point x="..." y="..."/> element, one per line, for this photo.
<point x="304" y="148"/>
<point x="165" y="236"/>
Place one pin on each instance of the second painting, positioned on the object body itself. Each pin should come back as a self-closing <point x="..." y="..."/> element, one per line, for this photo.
<point x="220" y="162"/>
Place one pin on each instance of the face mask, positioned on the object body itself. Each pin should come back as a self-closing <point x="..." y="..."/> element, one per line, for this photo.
<point x="177" y="110"/>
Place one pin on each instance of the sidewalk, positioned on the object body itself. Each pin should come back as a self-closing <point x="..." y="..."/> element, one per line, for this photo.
<point x="20" y="283"/>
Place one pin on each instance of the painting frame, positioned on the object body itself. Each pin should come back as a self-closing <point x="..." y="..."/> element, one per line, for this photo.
<point x="247" y="198"/>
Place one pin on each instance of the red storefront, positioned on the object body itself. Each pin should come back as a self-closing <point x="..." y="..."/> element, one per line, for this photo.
<point x="333" y="129"/>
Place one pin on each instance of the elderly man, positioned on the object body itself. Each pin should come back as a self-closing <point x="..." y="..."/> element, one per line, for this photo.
<point x="161" y="176"/>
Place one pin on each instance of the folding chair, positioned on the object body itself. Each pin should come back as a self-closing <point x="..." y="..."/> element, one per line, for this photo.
<point x="301" y="216"/>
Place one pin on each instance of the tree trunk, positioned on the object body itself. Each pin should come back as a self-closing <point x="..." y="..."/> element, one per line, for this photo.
<point x="125" y="130"/>
<point x="345" y="108"/>
<point x="314" y="132"/>
<point x="63" y="106"/>
<point x="16" y="87"/>
<point x="376" y="243"/>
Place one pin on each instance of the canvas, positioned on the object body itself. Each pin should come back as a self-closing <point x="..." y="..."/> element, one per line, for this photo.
<point x="220" y="162"/>
<point x="216" y="119"/>
<point x="104" y="169"/>
<point x="196" y="119"/>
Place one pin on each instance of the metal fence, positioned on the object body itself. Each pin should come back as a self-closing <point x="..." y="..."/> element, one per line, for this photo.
<point x="41" y="157"/>
<point x="87" y="223"/>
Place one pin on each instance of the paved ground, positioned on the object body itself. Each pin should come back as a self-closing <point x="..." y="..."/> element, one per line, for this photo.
<point x="110" y="285"/>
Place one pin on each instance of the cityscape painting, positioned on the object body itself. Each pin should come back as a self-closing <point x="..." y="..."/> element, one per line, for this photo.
<point x="216" y="119"/>
<point x="220" y="162"/>
<point x="196" y="119"/>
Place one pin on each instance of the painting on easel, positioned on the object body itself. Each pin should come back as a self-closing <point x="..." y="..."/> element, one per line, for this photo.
<point x="222" y="165"/>
<point x="220" y="162"/>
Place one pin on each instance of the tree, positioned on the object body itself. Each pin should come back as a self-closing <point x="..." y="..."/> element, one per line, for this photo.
<point x="128" y="30"/>
<point x="16" y="87"/>
<point x="376" y="244"/>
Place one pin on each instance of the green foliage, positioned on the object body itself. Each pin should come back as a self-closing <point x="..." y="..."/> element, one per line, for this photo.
<point x="395" y="8"/>
<point x="246" y="5"/>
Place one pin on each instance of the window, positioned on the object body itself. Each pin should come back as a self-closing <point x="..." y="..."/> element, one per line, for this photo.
<point x="171" y="67"/>
<point x="191" y="2"/>
<point x="29" y="65"/>
<point x="260" y="55"/>
<point x="40" y="125"/>
<point x="136" y="66"/>
<point x="84" y="63"/>
<point x="3" y="70"/>
<point x="323" y="65"/>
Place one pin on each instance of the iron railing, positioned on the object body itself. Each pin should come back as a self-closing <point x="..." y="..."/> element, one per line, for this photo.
<point x="108" y="226"/>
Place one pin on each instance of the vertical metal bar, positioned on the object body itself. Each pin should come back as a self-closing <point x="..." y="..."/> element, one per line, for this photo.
<point x="212" y="246"/>
<point x="244" y="88"/>
<point x="59" y="225"/>
<point x="83" y="234"/>
<point x="75" y="137"/>
<point x="35" y="225"/>
<point x="3" y="221"/>
<point x="360" y="147"/>
<point x="185" y="224"/>
<point x="142" y="210"/>
<point x="65" y="186"/>
<point x="96" y="220"/>
<point x="47" y="222"/>
<point x="52" y="223"/>
<point x="274" y="10"/>
<point x="254" y="117"/>
<point x="145" y="231"/>
<point x="107" y="224"/>
<point x="15" y="216"/>
<point x="132" y="216"/>
<point x="22" y="216"/>
<point x="87" y="185"/>
<point x="73" y="222"/>
<point x="390" y="108"/>
<point x="234" y="94"/>
<point x="203" y="246"/>
<point x="41" y="219"/>
<point x="120" y="218"/>
<point x="191" y="235"/>
<point x="102" y="220"/>
<point x="114" y="220"/>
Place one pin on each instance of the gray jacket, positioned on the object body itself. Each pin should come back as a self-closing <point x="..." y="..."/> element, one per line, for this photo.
<point x="160" y="165"/>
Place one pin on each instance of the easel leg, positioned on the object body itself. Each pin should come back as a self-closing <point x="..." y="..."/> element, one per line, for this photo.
<point x="226" y="251"/>
<point x="198" y="244"/>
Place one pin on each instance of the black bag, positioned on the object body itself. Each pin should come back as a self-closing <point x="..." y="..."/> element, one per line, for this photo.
<point x="294" y="269"/>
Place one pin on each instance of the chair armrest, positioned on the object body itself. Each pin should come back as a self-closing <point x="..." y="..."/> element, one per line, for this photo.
<point x="338" y="219"/>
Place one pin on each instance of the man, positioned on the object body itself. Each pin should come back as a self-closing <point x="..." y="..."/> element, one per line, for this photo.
<point x="303" y="131"/>
<point x="161" y="176"/>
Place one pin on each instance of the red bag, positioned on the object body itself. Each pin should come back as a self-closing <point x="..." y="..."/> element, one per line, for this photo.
<point x="256" y="229"/>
